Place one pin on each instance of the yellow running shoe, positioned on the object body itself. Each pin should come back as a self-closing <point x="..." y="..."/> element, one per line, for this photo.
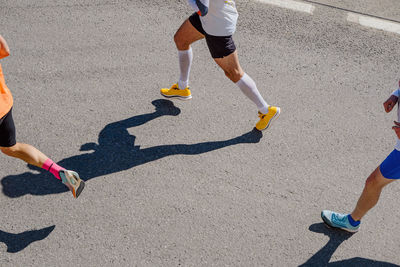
<point x="72" y="181"/>
<point x="266" y="119"/>
<point x="175" y="92"/>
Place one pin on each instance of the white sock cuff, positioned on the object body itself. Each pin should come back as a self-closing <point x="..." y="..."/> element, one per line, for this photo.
<point x="244" y="79"/>
<point x="183" y="84"/>
<point x="184" y="52"/>
<point x="264" y="109"/>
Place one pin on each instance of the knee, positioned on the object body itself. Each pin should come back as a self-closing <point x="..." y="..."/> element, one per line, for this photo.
<point x="371" y="181"/>
<point x="374" y="181"/>
<point x="180" y="43"/>
<point x="176" y="39"/>
<point x="234" y="75"/>
<point x="9" y="151"/>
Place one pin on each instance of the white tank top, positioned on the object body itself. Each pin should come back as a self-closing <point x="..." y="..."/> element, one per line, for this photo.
<point x="221" y="18"/>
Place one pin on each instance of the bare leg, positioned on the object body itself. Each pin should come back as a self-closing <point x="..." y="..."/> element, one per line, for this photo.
<point x="27" y="153"/>
<point x="186" y="35"/>
<point x="370" y="195"/>
<point x="233" y="70"/>
<point x="33" y="156"/>
<point x="230" y="65"/>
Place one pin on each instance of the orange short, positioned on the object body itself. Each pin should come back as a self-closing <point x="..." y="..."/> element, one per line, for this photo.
<point x="6" y="99"/>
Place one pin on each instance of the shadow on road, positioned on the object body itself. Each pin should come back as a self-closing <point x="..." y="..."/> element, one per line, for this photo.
<point x="337" y="237"/>
<point x="116" y="151"/>
<point x="17" y="242"/>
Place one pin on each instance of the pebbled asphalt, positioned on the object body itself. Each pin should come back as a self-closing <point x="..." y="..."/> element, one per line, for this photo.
<point x="190" y="183"/>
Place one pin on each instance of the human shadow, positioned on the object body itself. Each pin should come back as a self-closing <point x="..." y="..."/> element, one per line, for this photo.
<point x="17" y="242"/>
<point x="116" y="151"/>
<point x="337" y="237"/>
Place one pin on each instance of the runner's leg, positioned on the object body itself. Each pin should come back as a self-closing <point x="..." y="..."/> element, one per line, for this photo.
<point x="233" y="70"/>
<point x="33" y="156"/>
<point x="184" y="37"/>
<point x="371" y="193"/>
<point x="230" y="65"/>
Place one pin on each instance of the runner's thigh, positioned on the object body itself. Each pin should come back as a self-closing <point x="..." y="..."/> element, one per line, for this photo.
<point x="187" y="34"/>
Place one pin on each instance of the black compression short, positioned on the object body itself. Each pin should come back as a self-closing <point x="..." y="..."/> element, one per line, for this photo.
<point x="7" y="131"/>
<point x="219" y="46"/>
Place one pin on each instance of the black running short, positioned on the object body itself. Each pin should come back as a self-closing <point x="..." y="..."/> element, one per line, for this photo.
<point x="219" y="46"/>
<point x="7" y="131"/>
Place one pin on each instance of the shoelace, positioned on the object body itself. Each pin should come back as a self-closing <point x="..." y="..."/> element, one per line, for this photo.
<point x="339" y="219"/>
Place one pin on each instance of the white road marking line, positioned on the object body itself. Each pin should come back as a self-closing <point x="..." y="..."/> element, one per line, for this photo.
<point x="372" y="22"/>
<point x="290" y="4"/>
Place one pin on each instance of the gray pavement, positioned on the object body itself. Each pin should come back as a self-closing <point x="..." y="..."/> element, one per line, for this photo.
<point x="189" y="183"/>
<point x="386" y="9"/>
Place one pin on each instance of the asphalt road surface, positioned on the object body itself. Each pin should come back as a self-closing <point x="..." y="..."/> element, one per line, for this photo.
<point x="190" y="183"/>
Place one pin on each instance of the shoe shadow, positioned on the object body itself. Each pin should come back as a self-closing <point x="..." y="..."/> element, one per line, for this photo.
<point x="115" y="151"/>
<point x="17" y="242"/>
<point x="336" y="238"/>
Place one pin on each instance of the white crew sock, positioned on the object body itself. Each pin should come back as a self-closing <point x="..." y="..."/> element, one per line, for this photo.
<point x="249" y="88"/>
<point x="185" y="61"/>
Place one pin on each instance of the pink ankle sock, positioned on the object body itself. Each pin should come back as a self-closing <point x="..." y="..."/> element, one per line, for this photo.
<point x="52" y="167"/>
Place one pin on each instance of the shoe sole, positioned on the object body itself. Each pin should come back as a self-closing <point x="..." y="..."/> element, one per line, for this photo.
<point x="272" y="120"/>
<point x="177" y="96"/>
<point x="76" y="190"/>
<point x="80" y="188"/>
<point x="327" y="223"/>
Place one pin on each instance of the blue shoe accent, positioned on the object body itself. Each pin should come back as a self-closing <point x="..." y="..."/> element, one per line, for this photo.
<point x="338" y="220"/>
<point x="72" y="181"/>
<point x="352" y="221"/>
<point x="64" y="179"/>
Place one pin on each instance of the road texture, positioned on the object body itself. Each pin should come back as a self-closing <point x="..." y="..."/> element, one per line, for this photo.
<point x="386" y="9"/>
<point x="190" y="183"/>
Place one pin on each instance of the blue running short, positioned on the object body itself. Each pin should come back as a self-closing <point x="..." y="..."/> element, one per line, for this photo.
<point x="390" y="167"/>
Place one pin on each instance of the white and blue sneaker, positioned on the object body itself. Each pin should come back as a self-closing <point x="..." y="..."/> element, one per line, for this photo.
<point x="338" y="220"/>
<point x="72" y="181"/>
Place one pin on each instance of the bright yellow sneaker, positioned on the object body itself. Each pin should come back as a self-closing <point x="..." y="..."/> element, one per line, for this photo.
<point x="175" y="92"/>
<point x="266" y="119"/>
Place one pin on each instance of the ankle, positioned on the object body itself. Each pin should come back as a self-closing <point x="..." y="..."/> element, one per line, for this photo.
<point x="52" y="167"/>
<point x="353" y="221"/>
<point x="264" y="110"/>
<point x="183" y="84"/>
